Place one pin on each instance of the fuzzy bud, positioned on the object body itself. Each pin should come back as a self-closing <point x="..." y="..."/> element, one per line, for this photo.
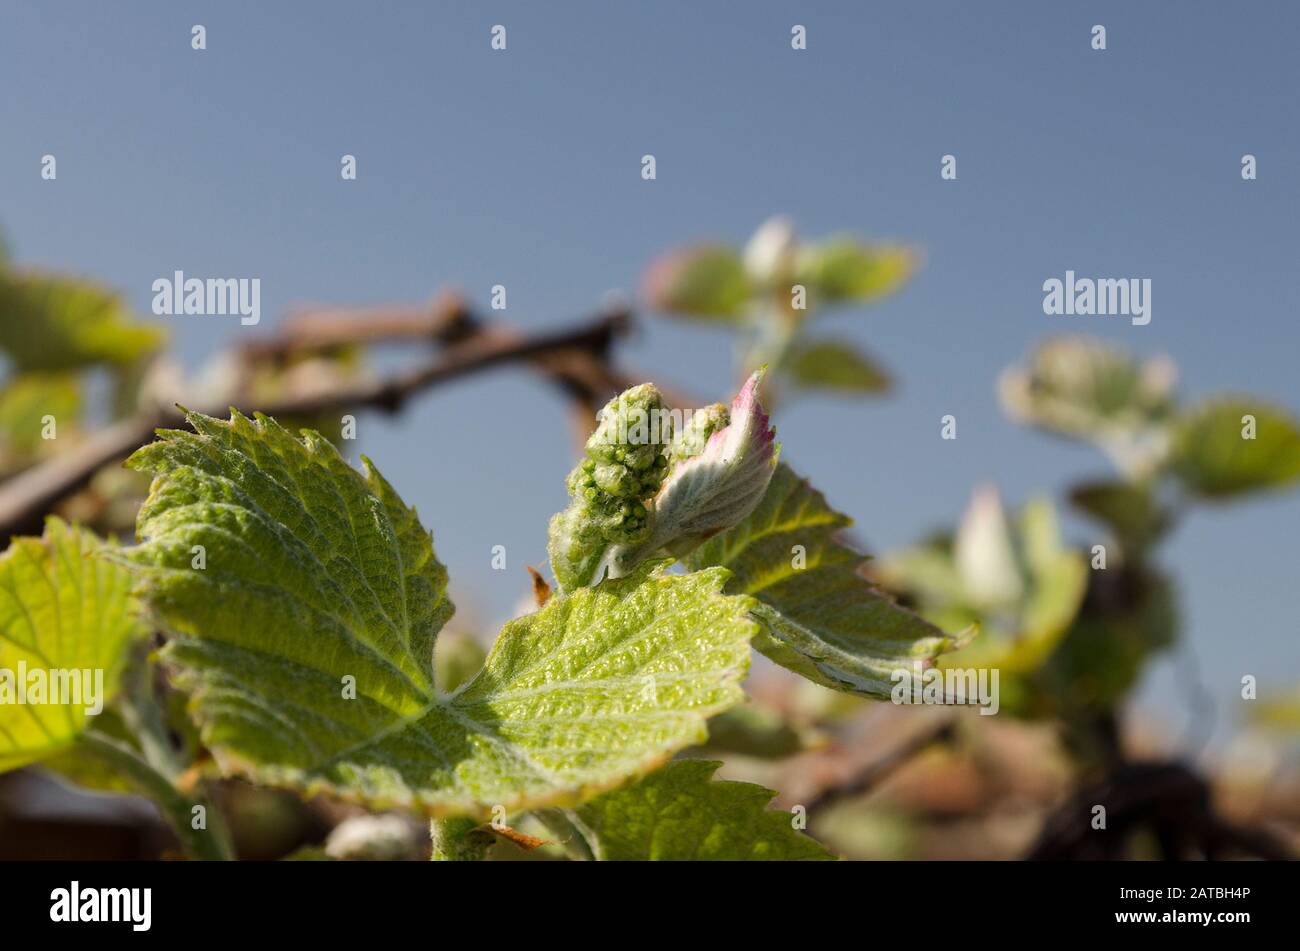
<point x="710" y="489"/>
<point x="695" y="432"/>
<point x="625" y="464"/>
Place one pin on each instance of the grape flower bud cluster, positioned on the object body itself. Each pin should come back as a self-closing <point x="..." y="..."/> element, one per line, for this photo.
<point x="646" y="486"/>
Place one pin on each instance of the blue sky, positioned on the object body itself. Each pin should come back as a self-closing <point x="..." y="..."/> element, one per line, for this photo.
<point x="522" y="168"/>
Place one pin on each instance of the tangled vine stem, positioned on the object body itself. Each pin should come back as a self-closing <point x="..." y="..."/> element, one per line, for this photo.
<point x="576" y="358"/>
<point x="1169" y="800"/>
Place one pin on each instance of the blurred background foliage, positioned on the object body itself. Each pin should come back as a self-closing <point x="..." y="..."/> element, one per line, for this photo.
<point x="773" y="290"/>
<point x="1069" y="629"/>
<point x="1070" y="626"/>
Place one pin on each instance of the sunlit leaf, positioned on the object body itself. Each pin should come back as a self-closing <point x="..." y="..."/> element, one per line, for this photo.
<point x="319" y="579"/>
<point x="66" y="620"/>
<point x="822" y="618"/>
<point x="678" y="813"/>
<point x="72" y="765"/>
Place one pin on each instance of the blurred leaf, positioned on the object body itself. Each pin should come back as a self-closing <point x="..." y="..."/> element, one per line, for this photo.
<point x="707" y="281"/>
<point x="822" y="618"/>
<point x="844" y="269"/>
<point x="927" y="572"/>
<point x="25" y="400"/>
<point x="389" y="837"/>
<point x="871" y="829"/>
<point x="1213" y="460"/>
<point x="1128" y="615"/>
<point x="770" y="251"/>
<point x="1058" y="578"/>
<point x="834" y="365"/>
<point x="1129" y="509"/>
<point x="66" y="609"/>
<point x="1279" y="712"/>
<point x="751" y="730"/>
<point x="93" y="772"/>
<point x="1021" y="587"/>
<point x="677" y="814"/>
<point x="308" y="853"/>
<point x="108" y="504"/>
<point x="50" y="322"/>
<point x="1088" y="389"/>
<point x="984" y="554"/>
<point x="456" y="660"/>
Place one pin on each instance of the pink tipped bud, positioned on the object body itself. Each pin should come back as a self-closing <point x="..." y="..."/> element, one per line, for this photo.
<point x="714" y="490"/>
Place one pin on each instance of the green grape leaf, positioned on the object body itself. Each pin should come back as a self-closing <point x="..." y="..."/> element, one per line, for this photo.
<point x="51" y="322"/>
<point x="66" y="620"/>
<point x="1088" y="389"/>
<point x="306" y="640"/>
<point x="835" y="366"/>
<point x="824" y="620"/>
<point x="678" y="813"/>
<point x="1219" y="453"/>
<point x="844" y="269"/>
<point x="708" y="281"/>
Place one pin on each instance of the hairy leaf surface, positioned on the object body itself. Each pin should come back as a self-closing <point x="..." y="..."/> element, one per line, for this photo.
<point x="824" y="620"/>
<point x="316" y="573"/>
<point x="677" y="813"/>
